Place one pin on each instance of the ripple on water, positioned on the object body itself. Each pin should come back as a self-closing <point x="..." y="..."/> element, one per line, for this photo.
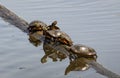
<point x="94" y="23"/>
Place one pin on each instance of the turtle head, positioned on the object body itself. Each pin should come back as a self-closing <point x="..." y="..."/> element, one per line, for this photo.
<point x="36" y="25"/>
<point x="54" y="23"/>
<point x="53" y="26"/>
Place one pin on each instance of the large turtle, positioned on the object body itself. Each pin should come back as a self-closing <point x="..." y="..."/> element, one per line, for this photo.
<point x="80" y="50"/>
<point x="58" y="36"/>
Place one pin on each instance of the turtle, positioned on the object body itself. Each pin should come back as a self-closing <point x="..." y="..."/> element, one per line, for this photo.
<point x="58" y="36"/>
<point x="53" y="26"/>
<point x="36" y="29"/>
<point x="80" y="50"/>
<point x="36" y="26"/>
<point x="51" y="32"/>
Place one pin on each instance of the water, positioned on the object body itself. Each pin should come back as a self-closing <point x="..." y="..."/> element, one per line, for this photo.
<point x="94" y="23"/>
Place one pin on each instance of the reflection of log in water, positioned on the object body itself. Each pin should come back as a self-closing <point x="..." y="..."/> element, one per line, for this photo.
<point x="13" y="19"/>
<point x="103" y="71"/>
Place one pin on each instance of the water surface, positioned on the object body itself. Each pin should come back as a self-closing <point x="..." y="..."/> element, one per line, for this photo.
<point x="95" y="23"/>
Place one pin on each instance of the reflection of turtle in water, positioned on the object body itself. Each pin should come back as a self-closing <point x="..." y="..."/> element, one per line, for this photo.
<point x="80" y="50"/>
<point x="51" y="52"/>
<point x="33" y="40"/>
<point x="79" y="64"/>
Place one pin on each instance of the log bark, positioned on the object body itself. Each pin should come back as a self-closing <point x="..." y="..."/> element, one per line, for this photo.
<point x="13" y="19"/>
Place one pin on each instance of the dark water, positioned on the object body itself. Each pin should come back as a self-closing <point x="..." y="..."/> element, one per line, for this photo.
<point x="94" y="23"/>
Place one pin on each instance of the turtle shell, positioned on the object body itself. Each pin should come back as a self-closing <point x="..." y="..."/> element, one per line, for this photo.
<point x="36" y="25"/>
<point x="83" y="50"/>
<point x="59" y="36"/>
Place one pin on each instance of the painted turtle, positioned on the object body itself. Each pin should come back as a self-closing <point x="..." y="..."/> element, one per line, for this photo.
<point x="36" y="29"/>
<point x="80" y="50"/>
<point x="58" y="36"/>
<point x="36" y="26"/>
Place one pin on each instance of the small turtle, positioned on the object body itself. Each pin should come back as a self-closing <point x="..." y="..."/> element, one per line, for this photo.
<point x="36" y="25"/>
<point x="58" y="36"/>
<point x="53" y="26"/>
<point x="80" y="50"/>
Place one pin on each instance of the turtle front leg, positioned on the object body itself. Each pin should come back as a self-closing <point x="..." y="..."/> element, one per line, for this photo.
<point x="72" y="57"/>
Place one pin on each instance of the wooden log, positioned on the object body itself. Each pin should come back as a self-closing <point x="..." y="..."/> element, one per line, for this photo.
<point x="13" y="19"/>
